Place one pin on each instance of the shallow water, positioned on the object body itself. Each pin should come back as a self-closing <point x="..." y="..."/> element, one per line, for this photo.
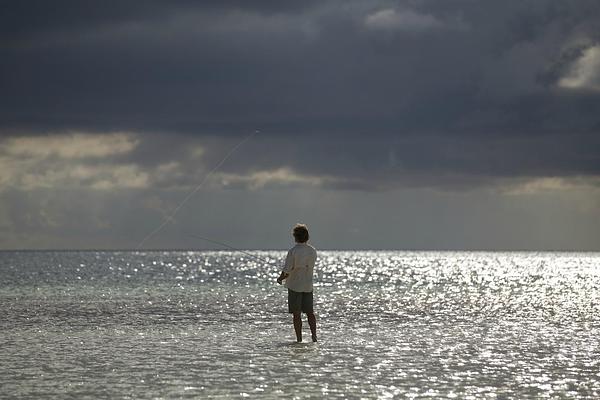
<point x="214" y="324"/>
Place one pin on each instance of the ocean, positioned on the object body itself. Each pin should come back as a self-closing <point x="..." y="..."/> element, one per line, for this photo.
<point x="214" y="324"/>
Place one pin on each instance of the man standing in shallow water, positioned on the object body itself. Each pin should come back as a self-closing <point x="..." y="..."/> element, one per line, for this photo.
<point x="298" y="274"/>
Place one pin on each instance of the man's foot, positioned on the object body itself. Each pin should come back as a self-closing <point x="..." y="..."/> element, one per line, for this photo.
<point x="314" y="338"/>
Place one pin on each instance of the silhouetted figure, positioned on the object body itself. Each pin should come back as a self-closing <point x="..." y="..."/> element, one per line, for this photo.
<point x="298" y="274"/>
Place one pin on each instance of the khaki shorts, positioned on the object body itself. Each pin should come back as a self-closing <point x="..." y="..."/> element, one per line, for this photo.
<point x="300" y="301"/>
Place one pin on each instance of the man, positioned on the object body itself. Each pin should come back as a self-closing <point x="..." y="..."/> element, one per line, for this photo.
<point x="298" y="274"/>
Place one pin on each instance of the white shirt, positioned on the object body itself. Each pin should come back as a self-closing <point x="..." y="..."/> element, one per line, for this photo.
<point x="299" y="264"/>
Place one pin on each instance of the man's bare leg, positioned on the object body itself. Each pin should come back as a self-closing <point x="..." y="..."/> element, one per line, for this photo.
<point x="312" y="322"/>
<point x="298" y="325"/>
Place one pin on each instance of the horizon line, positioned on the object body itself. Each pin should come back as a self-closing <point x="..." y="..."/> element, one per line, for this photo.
<point x="285" y="249"/>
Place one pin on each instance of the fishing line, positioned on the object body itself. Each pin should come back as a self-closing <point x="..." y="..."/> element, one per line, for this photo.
<point x="169" y="217"/>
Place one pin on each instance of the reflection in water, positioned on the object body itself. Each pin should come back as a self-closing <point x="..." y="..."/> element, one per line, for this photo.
<point x="202" y="324"/>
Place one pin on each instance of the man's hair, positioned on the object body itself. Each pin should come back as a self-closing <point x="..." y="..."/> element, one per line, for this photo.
<point x="300" y="233"/>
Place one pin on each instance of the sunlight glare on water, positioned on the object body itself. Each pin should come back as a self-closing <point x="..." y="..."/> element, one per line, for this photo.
<point x="212" y="324"/>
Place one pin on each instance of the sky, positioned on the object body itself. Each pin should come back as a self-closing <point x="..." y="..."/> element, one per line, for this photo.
<point x="417" y="124"/>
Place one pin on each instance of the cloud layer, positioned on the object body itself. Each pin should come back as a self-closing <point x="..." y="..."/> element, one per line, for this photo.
<point x="353" y="99"/>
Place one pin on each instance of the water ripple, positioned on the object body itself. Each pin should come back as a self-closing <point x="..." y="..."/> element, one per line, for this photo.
<point x="214" y="324"/>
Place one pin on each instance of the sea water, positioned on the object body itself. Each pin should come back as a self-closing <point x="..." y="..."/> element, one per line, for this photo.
<point x="179" y="324"/>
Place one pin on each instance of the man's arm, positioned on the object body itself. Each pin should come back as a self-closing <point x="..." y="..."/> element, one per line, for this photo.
<point x="282" y="277"/>
<point x="289" y="262"/>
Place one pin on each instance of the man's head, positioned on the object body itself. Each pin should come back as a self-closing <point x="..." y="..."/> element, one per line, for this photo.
<point x="300" y="233"/>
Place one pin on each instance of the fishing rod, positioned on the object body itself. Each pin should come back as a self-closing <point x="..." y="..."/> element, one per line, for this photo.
<point x="232" y="248"/>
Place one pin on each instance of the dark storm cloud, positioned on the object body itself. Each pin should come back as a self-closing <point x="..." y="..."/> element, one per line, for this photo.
<point x="384" y="92"/>
<point x="32" y="18"/>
